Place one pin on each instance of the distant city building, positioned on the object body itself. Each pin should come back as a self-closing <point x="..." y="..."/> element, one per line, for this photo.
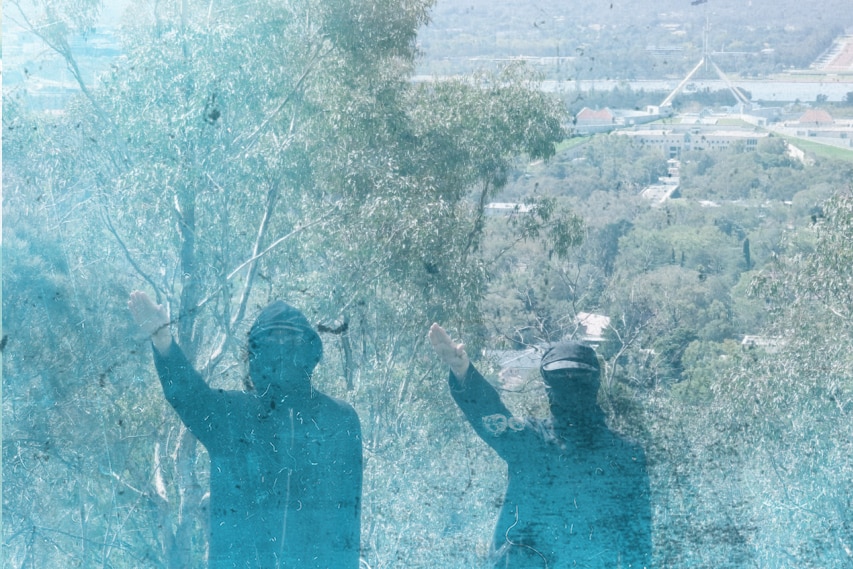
<point x="589" y="116"/>
<point x="668" y="186"/>
<point x="769" y="344"/>
<point x="820" y="125"/>
<point x="659" y="193"/>
<point x="816" y="117"/>
<point x="838" y="58"/>
<point x="593" y="326"/>
<point x="506" y="208"/>
<point x="590" y="121"/>
<point x="673" y="169"/>
<point x="672" y="142"/>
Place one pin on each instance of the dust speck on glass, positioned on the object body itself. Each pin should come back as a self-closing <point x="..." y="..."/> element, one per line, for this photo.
<point x="427" y="284"/>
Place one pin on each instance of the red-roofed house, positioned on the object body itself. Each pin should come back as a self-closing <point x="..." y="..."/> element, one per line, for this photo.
<point x="816" y="117"/>
<point x="588" y="117"/>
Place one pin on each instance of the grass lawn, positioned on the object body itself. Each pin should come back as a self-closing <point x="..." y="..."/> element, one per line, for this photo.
<point x="571" y="142"/>
<point x="733" y="121"/>
<point x="821" y="150"/>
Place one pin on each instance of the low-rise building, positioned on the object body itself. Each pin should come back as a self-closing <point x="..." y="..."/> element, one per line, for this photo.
<point x="506" y="208"/>
<point x="672" y="142"/>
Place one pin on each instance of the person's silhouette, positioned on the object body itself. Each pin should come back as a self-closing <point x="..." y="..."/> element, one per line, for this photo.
<point x="577" y="494"/>
<point x="286" y="460"/>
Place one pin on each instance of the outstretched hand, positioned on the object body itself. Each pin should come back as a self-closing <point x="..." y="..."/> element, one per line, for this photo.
<point x="151" y="318"/>
<point x="451" y="353"/>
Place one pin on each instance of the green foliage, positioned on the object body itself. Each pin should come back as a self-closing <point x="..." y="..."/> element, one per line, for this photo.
<point x="777" y="414"/>
<point x="487" y="122"/>
<point x="75" y="433"/>
<point x="817" y="277"/>
<point x="533" y="293"/>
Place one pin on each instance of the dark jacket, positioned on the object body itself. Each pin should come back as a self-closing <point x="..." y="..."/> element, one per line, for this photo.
<point x="566" y="505"/>
<point x="285" y="467"/>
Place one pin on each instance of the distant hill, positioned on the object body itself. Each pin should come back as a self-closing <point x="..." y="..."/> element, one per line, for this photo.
<point x="625" y="39"/>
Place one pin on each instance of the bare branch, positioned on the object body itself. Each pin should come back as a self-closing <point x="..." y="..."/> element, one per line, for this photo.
<point x="105" y="216"/>
<point x="219" y="351"/>
<point x="272" y="198"/>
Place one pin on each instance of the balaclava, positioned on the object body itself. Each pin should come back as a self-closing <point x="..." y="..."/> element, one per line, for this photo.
<point x="281" y="341"/>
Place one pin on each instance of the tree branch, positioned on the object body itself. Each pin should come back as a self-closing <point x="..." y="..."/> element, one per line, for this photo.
<point x="105" y="216"/>
<point x="218" y="352"/>
<point x="478" y="220"/>
<point x="272" y="198"/>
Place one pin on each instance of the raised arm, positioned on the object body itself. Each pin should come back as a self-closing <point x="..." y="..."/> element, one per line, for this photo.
<point x="478" y="400"/>
<point x="449" y="352"/>
<point x="202" y="409"/>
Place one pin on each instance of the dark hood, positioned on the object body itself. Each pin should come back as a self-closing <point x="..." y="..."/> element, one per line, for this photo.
<point x="572" y="376"/>
<point x="282" y="320"/>
<point x="562" y="358"/>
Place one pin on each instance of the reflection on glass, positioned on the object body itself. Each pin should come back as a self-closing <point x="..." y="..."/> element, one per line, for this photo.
<point x="386" y="164"/>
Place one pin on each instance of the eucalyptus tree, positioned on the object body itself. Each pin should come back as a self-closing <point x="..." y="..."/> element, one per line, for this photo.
<point x="756" y="439"/>
<point x="238" y="152"/>
<point x="794" y="396"/>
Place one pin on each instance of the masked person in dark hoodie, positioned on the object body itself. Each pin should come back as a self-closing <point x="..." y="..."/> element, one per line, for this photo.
<point x="577" y="494"/>
<point x="286" y="460"/>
